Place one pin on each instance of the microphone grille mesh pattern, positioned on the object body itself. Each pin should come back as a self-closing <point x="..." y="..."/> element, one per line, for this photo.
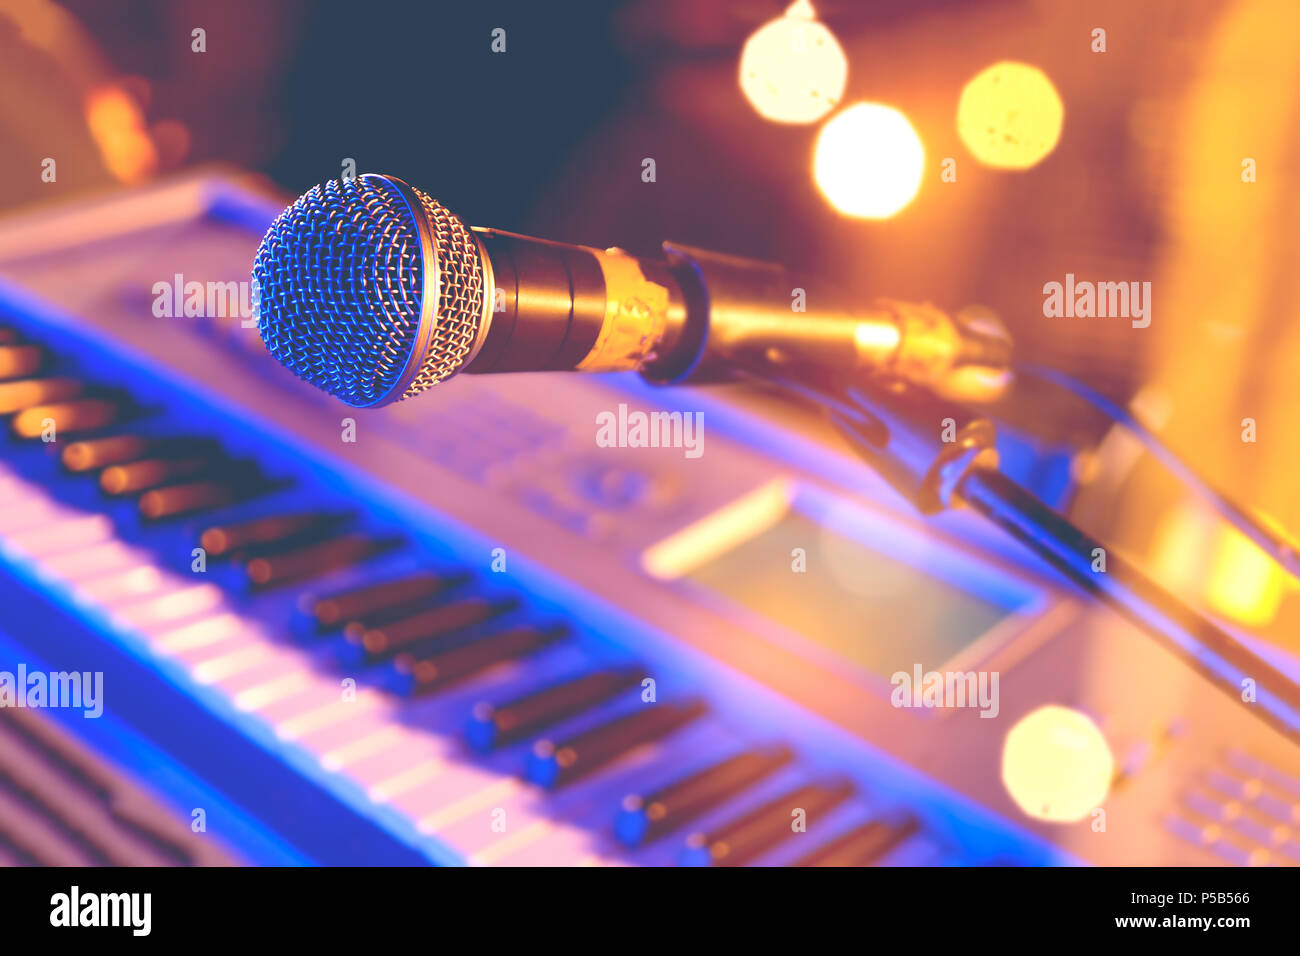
<point x="460" y="294"/>
<point x="340" y="277"/>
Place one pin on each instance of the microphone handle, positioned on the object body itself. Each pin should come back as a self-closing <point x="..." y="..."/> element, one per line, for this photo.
<point x="562" y="307"/>
<point x="699" y="316"/>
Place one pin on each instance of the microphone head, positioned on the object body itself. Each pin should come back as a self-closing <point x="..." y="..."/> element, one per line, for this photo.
<point x="370" y="290"/>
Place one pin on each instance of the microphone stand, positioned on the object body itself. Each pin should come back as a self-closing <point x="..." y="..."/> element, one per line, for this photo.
<point x="901" y="431"/>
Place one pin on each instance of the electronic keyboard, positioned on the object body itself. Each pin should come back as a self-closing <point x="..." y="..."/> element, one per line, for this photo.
<point x="459" y="630"/>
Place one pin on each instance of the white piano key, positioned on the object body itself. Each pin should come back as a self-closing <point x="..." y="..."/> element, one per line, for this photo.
<point x="188" y="602"/>
<point x="16" y="487"/>
<point x="86" y="563"/>
<point x="341" y="733"/>
<point x="389" y="781"/>
<point x="124" y="586"/>
<point x="532" y="836"/>
<point x="199" y="634"/>
<point x="269" y="692"/>
<point x="471" y="818"/>
<point x="54" y="537"/>
<point x="326" y="715"/>
<point x="214" y="669"/>
<point x="278" y="662"/>
<point x="414" y="747"/>
<point x="9" y="482"/>
<point x="319" y="692"/>
<point x="555" y="845"/>
<point x="197" y="652"/>
<point x="512" y="842"/>
<point x="171" y="597"/>
<point x="456" y="794"/>
<point x="344" y="755"/>
<point x="23" y="512"/>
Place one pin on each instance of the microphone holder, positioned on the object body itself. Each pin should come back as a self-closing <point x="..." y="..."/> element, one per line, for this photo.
<point x="940" y="455"/>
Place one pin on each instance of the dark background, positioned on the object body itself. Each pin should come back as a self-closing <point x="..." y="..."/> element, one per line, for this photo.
<point x="548" y="138"/>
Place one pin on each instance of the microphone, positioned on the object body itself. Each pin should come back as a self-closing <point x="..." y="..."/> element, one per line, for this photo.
<point x="372" y="291"/>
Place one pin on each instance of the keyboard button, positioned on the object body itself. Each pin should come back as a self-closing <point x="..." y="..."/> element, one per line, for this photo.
<point x="387" y="599"/>
<point x="645" y="818"/>
<point x="384" y="641"/>
<point x="756" y="832"/>
<point x="24" y="393"/>
<point x="69" y="418"/>
<point x="862" y="846"/>
<point x="493" y="725"/>
<point x="553" y="764"/>
<point x="20" y="361"/>
<point x="190" y="497"/>
<point x="224" y="540"/>
<point x="316" y="559"/>
<point x="434" y="671"/>
<point x="137" y="476"/>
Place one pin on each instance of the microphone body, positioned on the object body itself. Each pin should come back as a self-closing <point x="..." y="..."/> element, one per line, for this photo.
<point x="560" y="307"/>
<point x="373" y="291"/>
<point x="703" y="316"/>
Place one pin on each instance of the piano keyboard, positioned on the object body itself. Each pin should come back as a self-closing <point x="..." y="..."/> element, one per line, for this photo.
<point x="468" y="720"/>
<point x="61" y="805"/>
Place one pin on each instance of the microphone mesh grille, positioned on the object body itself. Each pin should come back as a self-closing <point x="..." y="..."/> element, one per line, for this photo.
<point x="460" y="294"/>
<point x="340" y="275"/>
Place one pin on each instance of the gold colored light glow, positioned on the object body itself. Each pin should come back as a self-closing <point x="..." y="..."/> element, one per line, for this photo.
<point x="1245" y="585"/>
<point x="1056" y="764"/>
<point x="118" y="128"/>
<point x="1010" y="116"/>
<point x="792" y="69"/>
<point x="1195" y="552"/>
<point x="868" y="161"/>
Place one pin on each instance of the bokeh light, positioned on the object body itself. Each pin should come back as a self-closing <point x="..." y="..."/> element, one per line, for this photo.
<point x="792" y="69"/>
<point x="868" y="161"/>
<point x="117" y="126"/>
<point x="1056" y="764"/>
<point x="1010" y="115"/>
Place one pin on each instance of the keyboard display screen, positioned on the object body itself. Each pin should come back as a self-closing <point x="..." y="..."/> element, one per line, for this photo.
<point x="879" y="612"/>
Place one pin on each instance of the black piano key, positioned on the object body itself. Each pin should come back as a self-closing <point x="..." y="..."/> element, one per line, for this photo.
<point x="28" y="775"/>
<point x="555" y="764"/>
<point x="24" y="393"/>
<point x="375" y="602"/>
<point x="645" y="818"/>
<point x="20" y="361"/>
<point x="316" y="559"/>
<point x="138" y="476"/>
<point x="435" y="670"/>
<point x="238" y="481"/>
<point x="223" y="540"/>
<point x="760" y="830"/>
<point x="14" y="856"/>
<point x="496" y="725"/>
<point x="187" y="498"/>
<point x="36" y="837"/>
<point x="863" y="845"/>
<point x="93" y="454"/>
<point x="80" y="771"/>
<point x="423" y="627"/>
<point x="70" y="418"/>
<point x="40" y="735"/>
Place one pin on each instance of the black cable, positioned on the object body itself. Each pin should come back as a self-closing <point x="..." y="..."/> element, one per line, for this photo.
<point x="1271" y="541"/>
<point x="1122" y="586"/>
